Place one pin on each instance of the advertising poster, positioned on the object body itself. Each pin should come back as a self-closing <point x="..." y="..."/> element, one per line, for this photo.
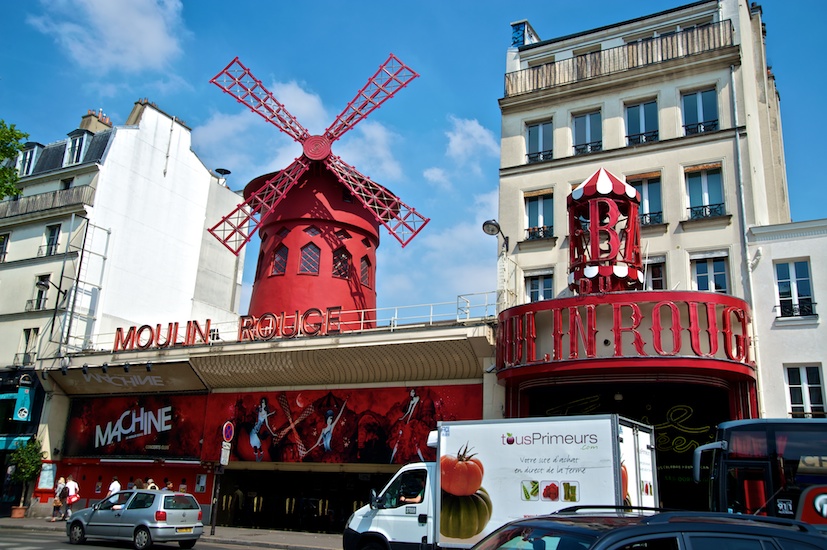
<point x="168" y="426"/>
<point x="356" y="425"/>
<point x="506" y="470"/>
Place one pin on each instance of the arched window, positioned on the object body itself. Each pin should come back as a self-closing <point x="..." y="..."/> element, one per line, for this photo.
<point x="311" y="255"/>
<point x="341" y="263"/>
<point x="364" y="271"/>
<point x="279" y="261"/>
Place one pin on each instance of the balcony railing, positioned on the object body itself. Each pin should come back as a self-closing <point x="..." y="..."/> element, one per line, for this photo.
<point x="685" y="43"/>
<point x="706" y="211"/>
<point x="48" y="250"/>
<point x="803" y="308"/>
<point x="651" y="218"/>
<point x="36" y="304"/>
<point x="591" y="147"/>
<point x="700" y="127"/>
<point x="83" y="194"/>
<point x="645" y="137"/>
<point x="811" y="414"/>
<point x="539" y="156"/>
<point x="23" y="359"/>
<point x="542" y="232"/>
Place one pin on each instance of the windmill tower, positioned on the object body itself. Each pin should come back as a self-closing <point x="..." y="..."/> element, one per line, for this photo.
<point x="318" y="218"/>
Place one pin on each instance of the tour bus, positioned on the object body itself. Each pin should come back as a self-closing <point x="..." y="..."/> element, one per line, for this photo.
<point x="770" y="467"/>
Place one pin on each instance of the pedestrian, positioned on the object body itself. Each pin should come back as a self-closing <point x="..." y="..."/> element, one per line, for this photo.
<point x="168" y="486"/>
<point x="57" y="503"/>
<point x="139" y="484"/>
<point x="114" y="487"/>
<point x="150" y="484"/>
<point x="73" y="495"/>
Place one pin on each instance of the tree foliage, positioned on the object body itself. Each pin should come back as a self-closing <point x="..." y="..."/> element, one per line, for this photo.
<point x="11" y="143"/>
<point x="27" y="460"/>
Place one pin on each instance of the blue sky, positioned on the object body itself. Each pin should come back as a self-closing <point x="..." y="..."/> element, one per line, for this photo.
<point x="435" y="144"/>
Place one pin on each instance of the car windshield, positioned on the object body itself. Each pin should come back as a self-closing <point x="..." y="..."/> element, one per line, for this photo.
<point x="527" y="537"/>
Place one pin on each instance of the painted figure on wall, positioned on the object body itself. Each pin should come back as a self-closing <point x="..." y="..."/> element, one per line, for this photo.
<point x="262" y="415"/>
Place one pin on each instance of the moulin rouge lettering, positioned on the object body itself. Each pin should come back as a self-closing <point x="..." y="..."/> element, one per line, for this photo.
<point x="712" y="328"/>
<point x="312" y="322"/>
<point x="134" y="423"/>
<point x="147" y="336"/>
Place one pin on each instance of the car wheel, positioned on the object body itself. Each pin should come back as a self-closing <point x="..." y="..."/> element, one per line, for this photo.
<point x="77" y="535"/>
<point x="186" y="544"/>
<point x="142" y="540"/>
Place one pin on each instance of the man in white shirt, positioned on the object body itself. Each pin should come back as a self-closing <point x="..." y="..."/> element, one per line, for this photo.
<point x="74" y="489"/>
<point x="114" y="487"/>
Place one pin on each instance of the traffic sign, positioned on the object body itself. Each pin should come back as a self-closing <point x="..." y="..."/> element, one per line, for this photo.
<point x="228" y="431"/>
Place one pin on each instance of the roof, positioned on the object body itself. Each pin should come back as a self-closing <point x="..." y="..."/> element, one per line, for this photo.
<point x="51" y="157"/>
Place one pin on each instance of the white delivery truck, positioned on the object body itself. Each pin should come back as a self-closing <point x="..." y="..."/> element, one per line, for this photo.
<point x="489" y="472"/>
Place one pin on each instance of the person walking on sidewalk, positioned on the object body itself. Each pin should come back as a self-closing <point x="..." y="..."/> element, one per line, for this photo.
<point x="57" y="504"/>
<point x="72" y="497"/>
<point x="114" y="487"/>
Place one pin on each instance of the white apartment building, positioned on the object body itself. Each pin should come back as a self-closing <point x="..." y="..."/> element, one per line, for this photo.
<point x="108" y="232"/>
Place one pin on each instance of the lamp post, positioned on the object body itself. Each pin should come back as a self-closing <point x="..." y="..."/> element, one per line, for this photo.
<point x="505" y="271"/>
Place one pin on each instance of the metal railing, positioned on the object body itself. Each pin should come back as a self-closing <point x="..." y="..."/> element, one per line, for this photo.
<point x="83" y="194"/>
<point x="700" y="127"/>
<point x="23" y="359"/>
<point x="651" y="218"/>
<point x="641" y="53"/>
<point x="48" y="250"/>
<point x="803" y="308"/>
<point x="591" y="147"/>
<point x="541" y="232"/>
<point x="539" y="156"/>
<point x="706" y="211"/>
<point x="645" y="137"/>
<point x="36" y="304"/>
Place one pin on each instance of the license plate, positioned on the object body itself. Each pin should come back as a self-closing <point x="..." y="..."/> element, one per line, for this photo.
<point x="184" y="530"/>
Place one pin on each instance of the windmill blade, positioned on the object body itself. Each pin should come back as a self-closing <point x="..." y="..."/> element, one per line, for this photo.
<point x="238" y="227"/>
<point x="401" y="220"/>
<point x="392" y="76"/>
<point x="239" y="82"/>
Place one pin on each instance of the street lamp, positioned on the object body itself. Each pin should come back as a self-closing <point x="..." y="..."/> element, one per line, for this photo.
<point x="43" y="284"/>
<point x="491" y="227"/>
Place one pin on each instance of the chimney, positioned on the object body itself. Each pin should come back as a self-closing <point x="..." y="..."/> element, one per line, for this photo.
<point x="95" y="121"/>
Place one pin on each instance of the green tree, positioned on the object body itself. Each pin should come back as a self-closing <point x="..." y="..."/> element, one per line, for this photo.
<point x="11" y="143"/>
<point x="27" y="460"/>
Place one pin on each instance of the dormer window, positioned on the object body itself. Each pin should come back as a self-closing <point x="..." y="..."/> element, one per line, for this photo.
<point x="28" y="159"/>
<point x="75" y="148"/>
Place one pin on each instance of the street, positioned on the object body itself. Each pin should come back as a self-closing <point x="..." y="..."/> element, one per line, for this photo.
<point x="16" y="539"/>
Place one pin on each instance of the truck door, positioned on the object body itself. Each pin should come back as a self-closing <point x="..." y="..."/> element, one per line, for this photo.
<point x="407" y="508"/>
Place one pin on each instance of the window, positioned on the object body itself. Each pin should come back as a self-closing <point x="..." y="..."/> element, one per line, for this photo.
<point x="26" y="162"/>
<point x="539" y="287"/>
<point x="655" y="274"/>
<point x="651" y="209"/>
<point x="313" y="231"/>
<point x="279" y="261"/>
<point x="539" y="216"/>
<point x="641" y="123"/>
<point x="41" y="292"/>
<point x="406" y="485"/>
<point x="365" y="271"/>
<point x="540" y="142"/>
<point x="795" y="292"/>
<point x="341" y="263"/>
<point x="311" y="255"/>
<point x="52" y="241"/>
<point x="588" y="133"/>
<point x="700" y="112"/>
<point x="30" y="339"/>
<point x="66" y="184"/>
<point x="142" y="501"/>
<point x="806" y="392"/>
<point x="74" y="153"/>
<point x="710" y="274"/>
<point x="4" y="246"/>
<point x="706" y="194"/>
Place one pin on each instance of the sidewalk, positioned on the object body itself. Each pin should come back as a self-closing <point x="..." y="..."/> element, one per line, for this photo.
<point x="285" y="540"/>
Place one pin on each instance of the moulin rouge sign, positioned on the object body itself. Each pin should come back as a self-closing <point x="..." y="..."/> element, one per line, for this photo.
<point x="312" y="322"/>
<point x="628" y="324"/>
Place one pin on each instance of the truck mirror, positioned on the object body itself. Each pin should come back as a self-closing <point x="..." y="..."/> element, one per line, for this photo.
<point x="699" y="451"/>
<point x="375" y="501"/>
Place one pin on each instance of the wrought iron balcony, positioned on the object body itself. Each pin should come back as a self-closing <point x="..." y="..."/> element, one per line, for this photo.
<point x="642" y="53"/>
<point x="23" y="359"/>
<point x="700" y="127"/>
<point x="591" y="147"/>
<point x="803" y="308"/>
<point x="539" y="156"/>
<point x="651" y="218"/>
<point x="811" y="414"/>
<point x="645" y="137"/>
<point x="48" y="250"/>
<point x="36" y="304"/>
<point x="706" y="211"/>
<point x="542" y="232"/>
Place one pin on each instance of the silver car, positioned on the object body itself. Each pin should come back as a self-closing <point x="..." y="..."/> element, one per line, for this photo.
<point x="141" y="516"/>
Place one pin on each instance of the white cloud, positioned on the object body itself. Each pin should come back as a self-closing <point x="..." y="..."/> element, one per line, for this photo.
<point x="103" y="35"/>
<point x="368" y="149"/>
<point x="438" y="177"/>
<point x="469" y="143"/>
<point x="306" y="107"/>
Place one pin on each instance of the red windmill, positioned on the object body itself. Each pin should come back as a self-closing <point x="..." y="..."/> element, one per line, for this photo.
<point x="318" y="249"/>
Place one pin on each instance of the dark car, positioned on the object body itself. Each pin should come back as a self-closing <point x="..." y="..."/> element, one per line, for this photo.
<point x="618" y="530"/>
<point x="140" y="516"/>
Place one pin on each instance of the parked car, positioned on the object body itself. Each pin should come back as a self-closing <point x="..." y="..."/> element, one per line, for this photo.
<point x="141" y="516"/>
<point x="641" y="530"/>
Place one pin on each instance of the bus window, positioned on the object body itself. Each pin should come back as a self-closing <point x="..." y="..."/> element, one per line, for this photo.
<point x="747" y="488"/>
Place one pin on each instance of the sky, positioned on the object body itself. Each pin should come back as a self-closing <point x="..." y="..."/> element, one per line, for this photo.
<point x="435" y="144"/>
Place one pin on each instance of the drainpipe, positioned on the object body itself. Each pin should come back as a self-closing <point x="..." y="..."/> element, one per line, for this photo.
<point x="746" y="265"/>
